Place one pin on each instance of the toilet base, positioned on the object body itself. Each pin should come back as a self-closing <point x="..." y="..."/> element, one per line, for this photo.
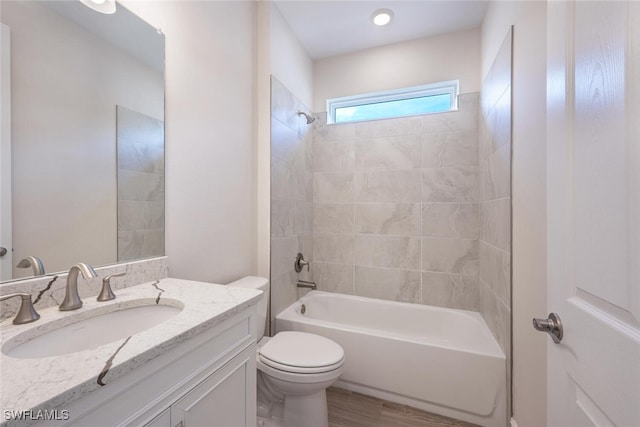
<point x="306" y="411"/>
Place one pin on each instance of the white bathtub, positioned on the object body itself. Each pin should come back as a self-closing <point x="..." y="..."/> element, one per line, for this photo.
<point x="440" y="360"/>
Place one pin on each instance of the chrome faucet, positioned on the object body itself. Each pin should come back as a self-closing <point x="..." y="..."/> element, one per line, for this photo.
<point x="72" y="299"/>
<point x="306" y="284"/>
<point x="35" y="263"/>
<point x="26" y="313"/>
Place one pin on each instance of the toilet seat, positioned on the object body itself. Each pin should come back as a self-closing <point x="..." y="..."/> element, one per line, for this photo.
<point x="301" y="353"/>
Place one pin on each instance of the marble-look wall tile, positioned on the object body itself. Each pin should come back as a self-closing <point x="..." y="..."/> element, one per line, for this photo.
<point x="138" y="244"/>
<point x="299" y="210"/>
<point x="495" y="270"/>
<point x="485" y="148"/>
<point x="284" y="292"/>
<point x="450" y="290"/>
<point x="335" y="132"/>
<point x="140" y="142"/>
<point x="333" y="187"/>
<point x="48" y="291"/>
<point x="400" y="219"/>
<point x="500" y="121"/>
<point x="282" y="218"/>
<point x="455" y="148"/>
<point x="333" y="218"/>
<point x="496" y="223"/>
<point x="284" y="141"/>
<point x="398" y="186"/>
<point x="456" y="184"/>
<point x="333" y="277"/>
<point x="497" y="315"/>
<point x="140" y="179"/>
<point x="387" y="251"/>
<point x="459" y="256"/>
<point x="498" y="77"/>
<point x="450" y="220"/>
<point x="331" y="247"/>
<point x="497" y="174"/>
<point x="292" y="142"/>
<point x="333" y="156"/>
<point x="388" y="284"/>
<point x="140" y="186"/>
<point x="308" y="217"/>
<point x="284" y="104"/>
<point x="413" y="178"/>
<point x="465" y="119"/>
<point x="393" y="152"/>
<point x="283" y="254"/>
<point x="135" y="215"/>
<point x="494" y="154"/>
<point x="389" y="127"/>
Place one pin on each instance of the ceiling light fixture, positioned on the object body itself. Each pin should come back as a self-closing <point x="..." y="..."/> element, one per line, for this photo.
<point x="103" y="6"/>
<point x="382" y="17"/>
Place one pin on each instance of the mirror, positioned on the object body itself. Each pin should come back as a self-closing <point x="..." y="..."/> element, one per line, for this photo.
<point x="86" y="137"/>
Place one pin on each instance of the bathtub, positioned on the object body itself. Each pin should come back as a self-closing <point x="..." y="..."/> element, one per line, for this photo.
<point x="440" y="360"/>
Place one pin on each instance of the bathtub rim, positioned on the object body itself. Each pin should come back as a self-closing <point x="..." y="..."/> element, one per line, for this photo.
<point x="291" y="313"/>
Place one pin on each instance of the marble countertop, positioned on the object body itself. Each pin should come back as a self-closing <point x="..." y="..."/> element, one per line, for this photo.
<point x="53" y="382"/>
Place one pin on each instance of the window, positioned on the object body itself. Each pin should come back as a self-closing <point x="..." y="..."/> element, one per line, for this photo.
<point x="432" y="98"/>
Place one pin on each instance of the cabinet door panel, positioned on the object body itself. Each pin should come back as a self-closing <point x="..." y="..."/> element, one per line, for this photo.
<point x="162" y="420"/>
<point x="221" y="400"/>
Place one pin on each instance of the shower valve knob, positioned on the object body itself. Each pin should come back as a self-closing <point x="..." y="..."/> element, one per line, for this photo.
<point x="300" y="263"/>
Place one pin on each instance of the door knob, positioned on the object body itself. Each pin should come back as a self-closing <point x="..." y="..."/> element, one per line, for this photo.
<point x="551" y="325"/>
<point x="3" y="251"/>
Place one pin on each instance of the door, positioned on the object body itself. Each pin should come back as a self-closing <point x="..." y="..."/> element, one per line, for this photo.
<point x="593" y="167"/>
<point x="5" y="155"/>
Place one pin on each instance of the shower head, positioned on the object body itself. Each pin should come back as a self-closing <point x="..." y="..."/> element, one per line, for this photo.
<point x="310" y="119"/>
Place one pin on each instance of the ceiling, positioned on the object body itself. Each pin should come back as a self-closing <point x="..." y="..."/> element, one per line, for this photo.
<point x="123" y="29"/>
<point x="334" y="27"/>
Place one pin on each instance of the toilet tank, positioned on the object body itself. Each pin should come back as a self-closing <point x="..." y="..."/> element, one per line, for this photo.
<point x="261" y="284"/>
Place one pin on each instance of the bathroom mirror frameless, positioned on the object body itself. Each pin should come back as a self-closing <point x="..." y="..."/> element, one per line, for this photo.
<point x="87" y="137"/>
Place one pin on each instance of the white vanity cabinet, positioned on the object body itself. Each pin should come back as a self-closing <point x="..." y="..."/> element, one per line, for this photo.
<point x="207" y="381"/>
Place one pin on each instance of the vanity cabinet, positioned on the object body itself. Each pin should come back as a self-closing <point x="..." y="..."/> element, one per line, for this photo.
<point x="208" y="380"/>
<point x="219" y="400"/>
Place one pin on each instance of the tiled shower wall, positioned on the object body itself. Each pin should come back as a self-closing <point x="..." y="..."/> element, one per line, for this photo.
<point x="495" y="199"/>
<point x="291" y="195"/>
<point x="395" y="208"/>
<point x="140" y="185"/>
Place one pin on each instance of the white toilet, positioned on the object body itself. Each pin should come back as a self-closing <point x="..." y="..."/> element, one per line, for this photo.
<point x="296" y="367"/>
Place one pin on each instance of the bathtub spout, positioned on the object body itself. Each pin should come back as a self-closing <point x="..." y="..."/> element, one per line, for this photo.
<point x="306" y="284"/>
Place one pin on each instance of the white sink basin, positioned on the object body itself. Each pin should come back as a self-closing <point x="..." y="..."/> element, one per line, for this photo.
<point x="90" y="330"/>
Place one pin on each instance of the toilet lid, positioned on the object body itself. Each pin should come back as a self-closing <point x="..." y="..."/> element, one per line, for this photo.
<point x="301" y="350"/>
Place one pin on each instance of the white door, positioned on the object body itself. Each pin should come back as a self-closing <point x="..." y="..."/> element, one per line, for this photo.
<point x="5" y="155"/>
<point x="593" y="106"/>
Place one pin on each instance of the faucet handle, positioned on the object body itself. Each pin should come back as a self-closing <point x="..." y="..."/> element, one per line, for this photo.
<point x="299" y="263"/>
<point x="106" y="294"/>
<point x="26" y="313"/>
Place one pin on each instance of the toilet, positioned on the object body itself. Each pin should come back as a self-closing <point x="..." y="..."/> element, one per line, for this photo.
<point x="294" y="369"/>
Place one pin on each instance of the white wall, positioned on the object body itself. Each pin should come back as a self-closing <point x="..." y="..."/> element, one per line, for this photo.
<point x="428" y="60"/>
<point x="210" y="166"/>
<point x="64" y="133"/>
<point x="290" y="63"/>
<point x="528" y="193"/>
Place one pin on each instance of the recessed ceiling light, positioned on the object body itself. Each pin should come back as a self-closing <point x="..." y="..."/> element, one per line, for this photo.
<point x="102" y="6"/>
<point x="382" y="17"/>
